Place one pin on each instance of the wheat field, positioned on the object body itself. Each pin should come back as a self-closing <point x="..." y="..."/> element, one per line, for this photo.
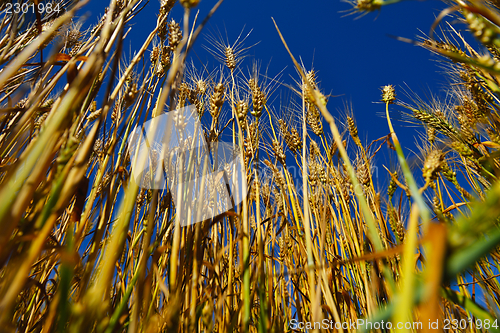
<point x="316" y="243"/>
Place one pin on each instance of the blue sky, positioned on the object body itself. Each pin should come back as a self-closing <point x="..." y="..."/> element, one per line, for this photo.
<point x="353" y="56"/>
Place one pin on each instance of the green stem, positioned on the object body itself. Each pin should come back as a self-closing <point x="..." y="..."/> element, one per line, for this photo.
<point x="415" y="193"/>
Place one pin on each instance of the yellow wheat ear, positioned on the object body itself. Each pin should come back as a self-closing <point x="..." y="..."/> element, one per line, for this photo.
<point x="318" y="101"/>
